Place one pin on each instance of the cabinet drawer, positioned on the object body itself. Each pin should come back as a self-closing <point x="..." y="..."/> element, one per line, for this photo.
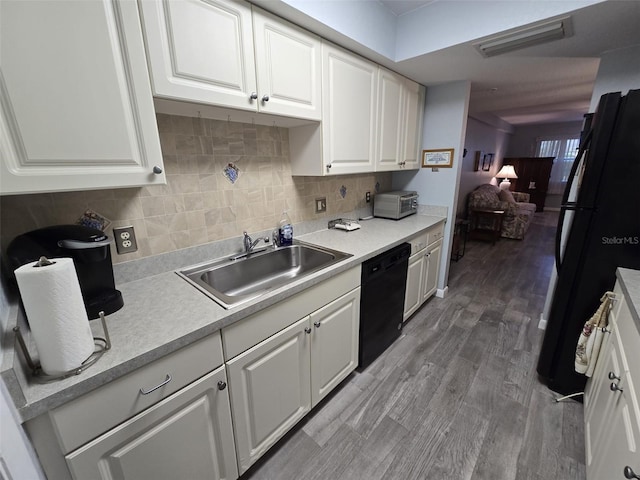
<point x="85" y="418"/>
<point x="435" y="234"/>
<point x="419" y="242"/>
<point x="188" y="435"/>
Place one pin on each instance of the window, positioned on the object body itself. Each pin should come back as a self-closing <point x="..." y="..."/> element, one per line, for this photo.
<point x="564" y="149"/>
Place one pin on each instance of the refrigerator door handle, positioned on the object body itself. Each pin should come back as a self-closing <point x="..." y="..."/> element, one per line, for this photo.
<point x="566" y="205"/>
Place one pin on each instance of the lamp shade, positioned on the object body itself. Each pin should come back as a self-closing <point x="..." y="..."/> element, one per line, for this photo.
<point x="507" y="171"/>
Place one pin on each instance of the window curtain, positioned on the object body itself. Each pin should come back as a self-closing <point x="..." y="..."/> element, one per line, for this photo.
<point x="564" y="150"/>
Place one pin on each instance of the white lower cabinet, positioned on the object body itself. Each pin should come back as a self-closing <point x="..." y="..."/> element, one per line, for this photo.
<point x="612" y="413"/>
<point x="413" y="294"/>
<point x="334" y="344"/>
<point x="270" y="390"/>
<point x="431" y="261"/>
<point x="275" y="383"/>
<point x="187" y="435"/>
<point x="423" y="269"/>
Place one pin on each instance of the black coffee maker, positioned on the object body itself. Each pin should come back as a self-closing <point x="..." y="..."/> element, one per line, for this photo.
<point x="89" y="249"/>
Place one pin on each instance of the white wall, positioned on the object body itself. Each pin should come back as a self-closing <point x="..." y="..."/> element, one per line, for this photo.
<point x="443" y="24"/>
<point x="480" y="136"/>
<point x="619" y="71"/>
<point x="445" y="124"/>
<point x="524" y="139"/>
<point x="368" y="23"/>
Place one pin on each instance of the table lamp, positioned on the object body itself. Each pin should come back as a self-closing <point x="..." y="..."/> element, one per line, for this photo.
<point x="506" y="172"/>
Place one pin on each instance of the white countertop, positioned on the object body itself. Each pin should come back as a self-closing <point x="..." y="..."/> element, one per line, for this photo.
<point x="163" y="313"/>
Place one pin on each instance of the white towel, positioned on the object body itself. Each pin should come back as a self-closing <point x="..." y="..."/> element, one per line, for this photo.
<point x="591" y="337"/>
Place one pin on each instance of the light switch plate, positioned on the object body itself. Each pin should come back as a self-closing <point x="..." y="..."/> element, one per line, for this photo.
<point x="125" y="239"/>
<point x="321" y="204"/>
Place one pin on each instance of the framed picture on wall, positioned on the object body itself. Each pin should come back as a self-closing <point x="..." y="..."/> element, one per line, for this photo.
<point x="477" y="160"/>
<point x="487" y="161"/>
<point x="442" y="157"/>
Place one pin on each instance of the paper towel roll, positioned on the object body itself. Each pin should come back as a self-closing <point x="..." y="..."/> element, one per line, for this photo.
<point x="56" y="313"/>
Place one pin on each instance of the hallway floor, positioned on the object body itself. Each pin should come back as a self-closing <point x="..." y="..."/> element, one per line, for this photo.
<point x="457" y="396"/>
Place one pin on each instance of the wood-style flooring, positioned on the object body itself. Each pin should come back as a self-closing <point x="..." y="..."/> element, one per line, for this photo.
<point x="457" y="396"/>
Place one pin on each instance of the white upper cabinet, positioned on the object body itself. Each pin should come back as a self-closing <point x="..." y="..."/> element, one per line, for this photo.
<point x="202" y="51"/>
<point x="288" y="68"/>
<point x="349" y="94"/>
<point x="413" y="114"/>
<point x="391" y="107"/>
<point x="345" y="141"/>
<point x="400" y="106"/>
<point x="76" y="110"/>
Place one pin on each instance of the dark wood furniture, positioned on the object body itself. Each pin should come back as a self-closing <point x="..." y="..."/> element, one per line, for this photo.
<point x="459" y="242"/>
<point x="486" y="225"/>
<point x="533" y="177"/>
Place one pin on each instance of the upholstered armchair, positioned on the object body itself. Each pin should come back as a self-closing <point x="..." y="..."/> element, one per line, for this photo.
<point x="518" y="212"/>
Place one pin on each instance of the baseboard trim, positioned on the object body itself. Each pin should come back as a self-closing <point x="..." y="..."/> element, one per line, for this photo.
<point x="442" y="292"/>
<point x="542" y="323"/>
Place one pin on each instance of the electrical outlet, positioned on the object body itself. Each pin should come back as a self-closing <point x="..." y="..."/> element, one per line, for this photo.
<point x="321" y="204"/>
<point x="125" y="239"/>
<point x="367" y="197"/>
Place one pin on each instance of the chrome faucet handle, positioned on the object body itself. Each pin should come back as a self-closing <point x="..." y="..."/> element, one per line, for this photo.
<point x="276" y="238"/>
<point x="246" y="239"/>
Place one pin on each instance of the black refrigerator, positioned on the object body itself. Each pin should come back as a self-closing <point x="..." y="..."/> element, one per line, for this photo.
<point x="604" y="233"/>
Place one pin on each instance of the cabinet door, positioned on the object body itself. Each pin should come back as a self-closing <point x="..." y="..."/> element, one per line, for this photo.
<point x="187" y="435"/>
<point x="621" y="442"/>
<point x="288" y="68"/>
<point x="413" y="117"/>
<point x="390" y="120"/>
<point x="349" y="101"/>
<point x="76" y="110"/>
<point x="270" y="390"/>
<point x="599" y="398"/>
<point x="201" y="51"/>
<point x="431" y="269"/>
<point x="413" y="295"/>
<point x="334" y="343"/>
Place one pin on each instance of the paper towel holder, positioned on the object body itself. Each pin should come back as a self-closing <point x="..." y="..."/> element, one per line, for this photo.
<point x="102" y="345"/>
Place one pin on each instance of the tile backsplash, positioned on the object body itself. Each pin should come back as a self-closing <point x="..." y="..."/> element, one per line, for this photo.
<point x="199" y="204"/>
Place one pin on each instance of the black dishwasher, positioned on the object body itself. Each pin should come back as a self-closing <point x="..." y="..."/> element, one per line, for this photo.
<point x="383" y="286"/>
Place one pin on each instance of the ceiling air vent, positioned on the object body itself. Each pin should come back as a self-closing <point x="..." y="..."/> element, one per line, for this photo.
<point x="525" y="37"/>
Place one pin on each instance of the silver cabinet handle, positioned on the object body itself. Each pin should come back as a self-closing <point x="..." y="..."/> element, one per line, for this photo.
<point x="307" y="329"/>
<point x="629" y="473"/>
<point x="147" y="392"/>
<point x="222" y="385"/>
<point x="317" y="324"/>
<point x="613" y="376"/>
<point x="615" y="388"/>
<point x="253" y="96"/>
<point x="265" y="98"/>
<point x="157" y="170"/>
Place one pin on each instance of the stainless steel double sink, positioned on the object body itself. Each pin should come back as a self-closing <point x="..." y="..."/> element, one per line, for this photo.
<point x="231" y="282"/>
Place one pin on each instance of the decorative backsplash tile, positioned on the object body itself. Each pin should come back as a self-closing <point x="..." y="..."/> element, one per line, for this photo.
<point x="199" y="205"/>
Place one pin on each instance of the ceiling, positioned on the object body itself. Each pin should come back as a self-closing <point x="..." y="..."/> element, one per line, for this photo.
<point x="541" y="84"/>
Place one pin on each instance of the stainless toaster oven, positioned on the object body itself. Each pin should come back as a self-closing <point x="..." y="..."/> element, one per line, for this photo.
<point x="395" y="205"/>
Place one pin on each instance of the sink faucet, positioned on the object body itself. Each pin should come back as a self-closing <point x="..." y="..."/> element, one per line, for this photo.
<point x="249" y="243"/>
